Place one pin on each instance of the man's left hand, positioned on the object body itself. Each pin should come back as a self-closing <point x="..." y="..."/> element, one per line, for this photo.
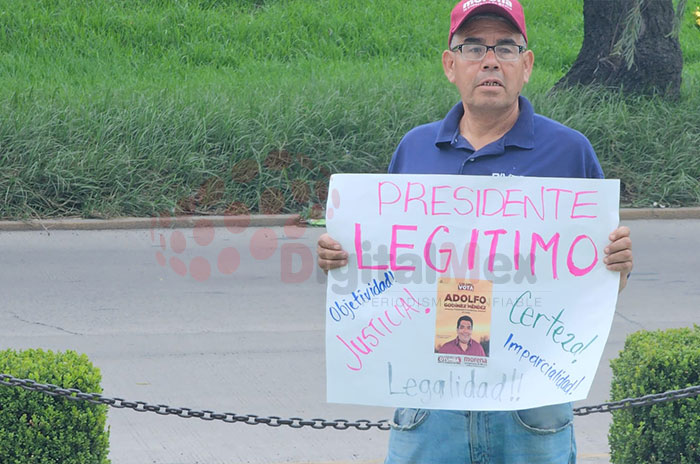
<point x="618" y="255"/>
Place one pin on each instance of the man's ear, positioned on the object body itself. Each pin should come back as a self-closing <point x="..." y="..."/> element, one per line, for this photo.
<point x="448" y="65"/>
<point x="528" y="61"/>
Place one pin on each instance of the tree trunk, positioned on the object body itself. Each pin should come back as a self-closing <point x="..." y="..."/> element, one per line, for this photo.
<point x="642" y="57"/>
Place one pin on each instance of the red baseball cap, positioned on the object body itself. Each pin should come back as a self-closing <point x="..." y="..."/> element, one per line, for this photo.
<point x="465" y="9"/>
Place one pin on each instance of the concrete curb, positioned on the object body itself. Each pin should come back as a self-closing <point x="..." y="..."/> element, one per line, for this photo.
<point x="630" y="214"/>
<point x="262" y="220"/>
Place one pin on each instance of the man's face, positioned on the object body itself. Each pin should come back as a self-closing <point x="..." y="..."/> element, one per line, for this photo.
<point x="488" y="85"/>
<point x="464" y="331"/>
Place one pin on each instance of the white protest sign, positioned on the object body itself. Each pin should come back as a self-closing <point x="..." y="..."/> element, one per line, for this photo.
<point x="516" y="263"/>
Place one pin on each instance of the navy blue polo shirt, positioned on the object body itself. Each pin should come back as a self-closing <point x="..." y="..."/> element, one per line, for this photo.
<point x="534" y="146"/>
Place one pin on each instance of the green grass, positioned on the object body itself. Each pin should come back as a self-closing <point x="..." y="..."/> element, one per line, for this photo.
<point x="111" y="108"/>
<point x="652" y="146"/>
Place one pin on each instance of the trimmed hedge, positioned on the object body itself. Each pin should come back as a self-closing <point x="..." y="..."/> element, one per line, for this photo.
<point x="40" y="429"/>
<point x="654" y="362"/>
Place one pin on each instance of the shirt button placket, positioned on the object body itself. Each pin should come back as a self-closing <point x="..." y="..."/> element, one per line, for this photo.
<point x="464" y="163"/>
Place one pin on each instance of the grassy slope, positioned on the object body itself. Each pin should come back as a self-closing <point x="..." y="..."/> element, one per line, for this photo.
<point x="117" y="108"/>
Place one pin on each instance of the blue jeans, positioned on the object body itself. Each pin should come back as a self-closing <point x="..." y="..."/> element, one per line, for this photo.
<point x="532" y="436"/>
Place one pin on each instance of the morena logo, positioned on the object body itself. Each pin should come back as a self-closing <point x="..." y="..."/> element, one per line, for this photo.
<point x="474" y="3"/>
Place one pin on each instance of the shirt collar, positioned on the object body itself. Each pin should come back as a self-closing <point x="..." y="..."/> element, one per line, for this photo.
<point x="522" y="134"/>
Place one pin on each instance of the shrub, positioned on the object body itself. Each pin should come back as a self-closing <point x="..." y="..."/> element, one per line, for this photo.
<point x="40" y="429"/>
<point x="654" y="362"/>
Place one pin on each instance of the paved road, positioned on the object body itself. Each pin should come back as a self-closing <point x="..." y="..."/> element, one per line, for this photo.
<point x="247" y="335"/>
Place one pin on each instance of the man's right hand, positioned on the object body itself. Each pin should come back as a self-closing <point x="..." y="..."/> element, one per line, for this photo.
<point x="330" y="254"/>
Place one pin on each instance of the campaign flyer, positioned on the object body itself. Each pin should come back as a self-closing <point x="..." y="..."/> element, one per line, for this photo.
<point x="463" y="321"/>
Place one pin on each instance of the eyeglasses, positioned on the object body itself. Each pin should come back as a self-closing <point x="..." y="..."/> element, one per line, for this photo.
<point x="477" y="52"/>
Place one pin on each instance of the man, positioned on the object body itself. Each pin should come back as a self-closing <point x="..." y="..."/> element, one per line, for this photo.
<point x="491" y="131"/>
<point x="463" y="344"/>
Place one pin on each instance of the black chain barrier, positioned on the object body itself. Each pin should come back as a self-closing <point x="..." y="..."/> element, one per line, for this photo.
<point x="297" y="422"/>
